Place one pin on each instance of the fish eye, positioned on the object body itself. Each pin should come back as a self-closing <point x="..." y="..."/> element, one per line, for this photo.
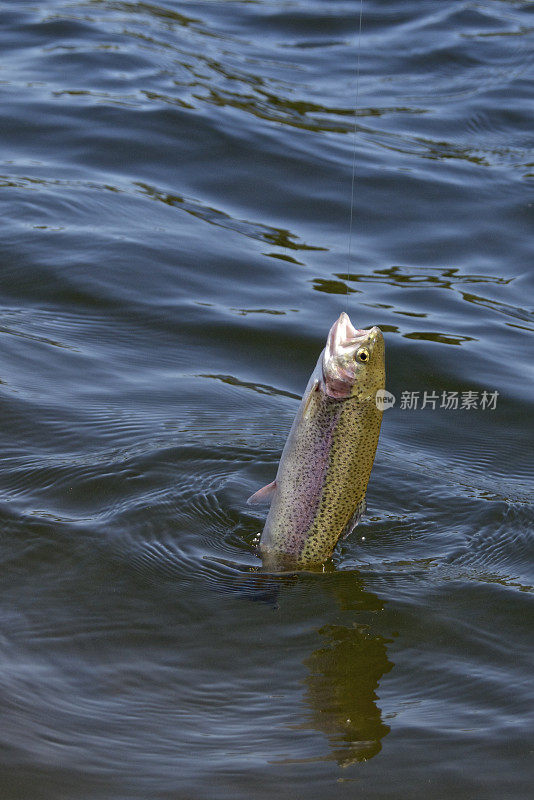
<point x="363" y="355"/>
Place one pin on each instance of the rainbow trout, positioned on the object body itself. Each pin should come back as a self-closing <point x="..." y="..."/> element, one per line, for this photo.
<point x="318" y="494"/>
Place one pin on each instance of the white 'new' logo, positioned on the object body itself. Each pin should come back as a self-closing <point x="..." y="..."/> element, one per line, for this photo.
<point x="384" y="399"/>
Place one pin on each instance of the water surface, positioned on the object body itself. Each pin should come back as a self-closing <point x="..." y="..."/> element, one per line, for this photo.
<point x="175" y="188"/>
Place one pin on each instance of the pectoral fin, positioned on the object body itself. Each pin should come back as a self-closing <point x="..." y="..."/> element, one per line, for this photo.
<point x="356" y="517"/>
<point x="313" y="388"/>
<point x="263" y="495"/>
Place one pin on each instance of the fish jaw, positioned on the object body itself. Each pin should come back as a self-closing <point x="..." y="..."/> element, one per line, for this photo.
<point x="341" y="371"/>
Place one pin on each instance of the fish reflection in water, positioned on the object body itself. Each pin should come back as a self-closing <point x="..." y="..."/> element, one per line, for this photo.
<point x="344" y="672"/>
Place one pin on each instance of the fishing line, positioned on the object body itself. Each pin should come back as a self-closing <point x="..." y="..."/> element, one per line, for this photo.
<point x="354" y="136"/>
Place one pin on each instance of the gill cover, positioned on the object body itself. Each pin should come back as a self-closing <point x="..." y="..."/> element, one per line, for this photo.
<point x="352" y="361"/>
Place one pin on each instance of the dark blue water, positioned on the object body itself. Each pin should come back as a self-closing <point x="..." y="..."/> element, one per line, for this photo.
<point x="175" y="193"/>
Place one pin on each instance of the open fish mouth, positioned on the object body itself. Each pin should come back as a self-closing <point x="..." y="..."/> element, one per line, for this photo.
<point x="339" y="370"/>
<point x="343" y="335"/>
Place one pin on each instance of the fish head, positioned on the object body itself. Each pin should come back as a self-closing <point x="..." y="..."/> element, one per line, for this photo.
<point x="353" y="361"/>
